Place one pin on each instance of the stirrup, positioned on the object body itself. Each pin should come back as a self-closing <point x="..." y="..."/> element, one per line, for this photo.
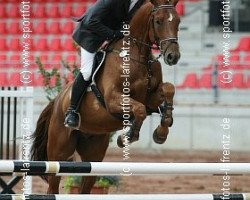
<point x="79" y="121"/>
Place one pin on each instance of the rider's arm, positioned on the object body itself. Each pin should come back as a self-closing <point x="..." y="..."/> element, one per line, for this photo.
<point x="94" y="22"/>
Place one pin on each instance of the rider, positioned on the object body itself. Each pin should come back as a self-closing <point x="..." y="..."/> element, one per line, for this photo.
<point x="101" y="22"/>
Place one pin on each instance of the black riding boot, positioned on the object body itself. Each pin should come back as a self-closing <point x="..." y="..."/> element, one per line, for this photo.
<point x="79" y="88"/>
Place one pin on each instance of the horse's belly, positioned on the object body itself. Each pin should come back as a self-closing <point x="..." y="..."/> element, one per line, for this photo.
<point x="95" y="118"/>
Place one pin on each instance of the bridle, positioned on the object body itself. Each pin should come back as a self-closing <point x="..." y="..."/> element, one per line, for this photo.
<point x="170" y="39"/>
<point x="158" y="43"/>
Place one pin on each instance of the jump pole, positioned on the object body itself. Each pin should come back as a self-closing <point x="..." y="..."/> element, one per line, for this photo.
<point x="120" y="168"/>
<point x="244" y="196"/>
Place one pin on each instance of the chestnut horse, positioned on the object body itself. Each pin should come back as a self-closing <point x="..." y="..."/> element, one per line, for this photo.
<point x="155" y="23"/>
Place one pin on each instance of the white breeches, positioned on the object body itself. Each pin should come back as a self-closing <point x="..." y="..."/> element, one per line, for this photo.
<point x="87" y="59"/>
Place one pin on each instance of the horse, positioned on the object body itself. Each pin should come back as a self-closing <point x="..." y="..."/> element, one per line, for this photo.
<point x="154" y="25"/>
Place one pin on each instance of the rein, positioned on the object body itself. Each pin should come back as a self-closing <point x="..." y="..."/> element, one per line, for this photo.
<point x="158" y="44"/>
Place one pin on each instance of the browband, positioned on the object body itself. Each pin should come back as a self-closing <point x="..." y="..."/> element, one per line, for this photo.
<point x="162" y="7"/>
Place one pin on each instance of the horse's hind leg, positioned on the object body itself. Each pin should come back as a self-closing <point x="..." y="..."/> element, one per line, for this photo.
<point x="61" y="146"/>
<point x="91" y="148"/>
<point x="164" y="93"/>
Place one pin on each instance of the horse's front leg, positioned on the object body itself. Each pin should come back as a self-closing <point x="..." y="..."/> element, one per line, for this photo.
<point x="137" y="111"/>
<point x="166" y="93"/>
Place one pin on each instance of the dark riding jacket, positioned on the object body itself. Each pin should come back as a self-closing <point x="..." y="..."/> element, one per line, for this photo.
<point x="101" y="21"/>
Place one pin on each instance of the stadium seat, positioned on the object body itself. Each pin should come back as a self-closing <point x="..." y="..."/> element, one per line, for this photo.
<point x="67" y="27"/>
<point x="239" y="81"/>
<point x="53" y="11"/>
<point x="39" y="11"/>
<point x="66" y="11"/>
<point x="44" y="60"/>
<point x="190" y="81"/>
<point x="3" y="28"/>
<point x="218" y="59"/>
<point x="243" y="45"/>
<point x="208" y="67"/>
<point x="235" y="61"/>
<point x="205" y="81"/>
<point x="41" y="28"/>
<point x="32" y="65"/>
<point x="68" y="45"/>
<point x="16" y="79"/>
<point x="54" y="27"/>
<point x="79" y="10"/>
<point x="39" y="81"/>
<point x="13" y="11"/>
<point x="246" y="61"/>
<point x="14" y="28"/>
<point x="15" y="61"/>
<point x="3" y="11"/>
<point x="41" y="44"/>
<point x="56" y="61"/>
<point x="4" y="79"/>
<point x="3" y="61"/>
<point x="180" y="8"/>
<point x="55" y="44"/>
<point x="3" y="44"/>
<point x="222" y="84"/>
<point x="71" y="60"/>
<point x="14" y="44"/>
<point x="69" y="77"/>
<point x="32" y="45"/>
<point x="248" y="82"/>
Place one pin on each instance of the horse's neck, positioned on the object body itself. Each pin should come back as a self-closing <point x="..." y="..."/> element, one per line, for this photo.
<point x="139" y="26"/>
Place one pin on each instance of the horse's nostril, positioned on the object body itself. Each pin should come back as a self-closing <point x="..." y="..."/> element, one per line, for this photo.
<point x="170" y="57"/>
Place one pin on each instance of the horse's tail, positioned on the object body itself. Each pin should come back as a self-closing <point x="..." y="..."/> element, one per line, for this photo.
<point x="40" y="136"/>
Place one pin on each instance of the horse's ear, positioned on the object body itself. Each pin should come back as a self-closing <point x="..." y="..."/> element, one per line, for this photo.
<point x="174" y="2"/>
<point x="154" y="2"/>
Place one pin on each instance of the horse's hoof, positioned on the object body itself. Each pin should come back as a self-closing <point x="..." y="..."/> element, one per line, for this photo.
<point x="120" y="142"/>
<point x="157" y="139"/>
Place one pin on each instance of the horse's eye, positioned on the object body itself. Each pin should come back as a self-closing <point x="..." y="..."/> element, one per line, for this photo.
<point x="158" y="22"/>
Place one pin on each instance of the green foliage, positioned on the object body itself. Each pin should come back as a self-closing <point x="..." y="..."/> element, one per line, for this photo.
<point x="71" y="181"/>
<point x="102" y="181"/>
<point x="107" y="181"/>
<point x="56" y="75"/>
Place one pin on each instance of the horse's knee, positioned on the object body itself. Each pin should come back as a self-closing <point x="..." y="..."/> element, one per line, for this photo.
<point x="169" y="89"/>
<point x="112" y="107"/>
<point x="140" y="112"/>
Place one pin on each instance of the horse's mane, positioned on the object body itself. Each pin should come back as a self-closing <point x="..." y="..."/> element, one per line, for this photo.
<point x="140" y="18"/>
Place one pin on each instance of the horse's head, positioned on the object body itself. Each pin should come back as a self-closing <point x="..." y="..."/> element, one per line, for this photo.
<point x="164" y="29"/>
